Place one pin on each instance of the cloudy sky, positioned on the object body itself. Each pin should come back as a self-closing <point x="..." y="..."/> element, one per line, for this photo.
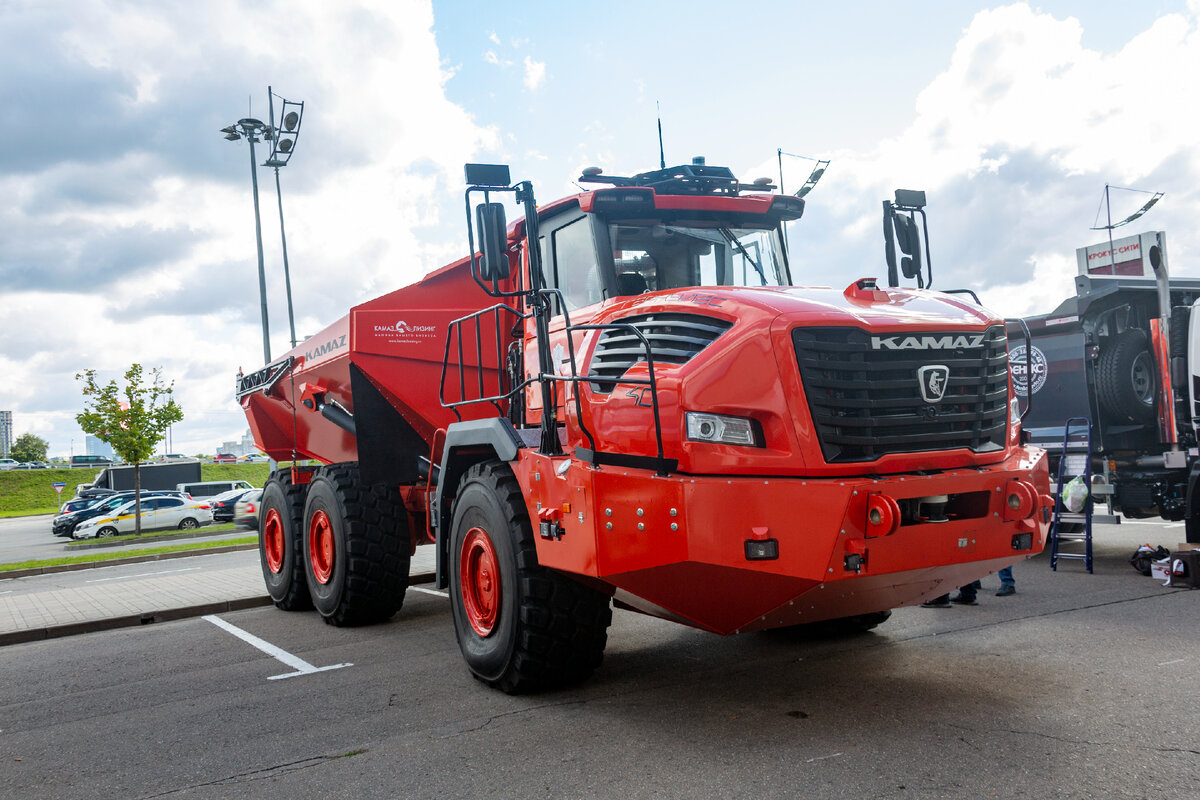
<point x="127" y="231"/>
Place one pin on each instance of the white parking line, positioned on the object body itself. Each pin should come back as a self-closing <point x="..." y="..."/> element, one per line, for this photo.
<point x="428" y="591"/>
<point x="142" y="575"/>
<point x="301" y="666"/>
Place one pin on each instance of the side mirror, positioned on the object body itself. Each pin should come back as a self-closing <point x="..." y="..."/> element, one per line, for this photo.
<point x="909" y="240"/>
<point x="493" y="241"/>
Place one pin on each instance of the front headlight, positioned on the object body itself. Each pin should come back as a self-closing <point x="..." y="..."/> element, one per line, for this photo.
<point x="722" y="429"/>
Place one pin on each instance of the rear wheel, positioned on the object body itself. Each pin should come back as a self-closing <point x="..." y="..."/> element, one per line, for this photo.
<point x="188" y="524"/>
<point x="520" y="627"/>
<point x="280" y="549"/>
<point x="356" y="547"/>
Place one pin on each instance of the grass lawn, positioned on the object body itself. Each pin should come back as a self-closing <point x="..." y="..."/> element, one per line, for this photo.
<point x="103" y="555"/>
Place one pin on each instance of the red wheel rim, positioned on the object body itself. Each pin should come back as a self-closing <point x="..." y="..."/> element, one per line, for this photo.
<point x="479" y="574"/>
<point x="320" y="546"/>
<point x="273" y="541"/>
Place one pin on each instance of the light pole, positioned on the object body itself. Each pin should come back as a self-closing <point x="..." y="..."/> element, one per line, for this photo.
<point x="283" y="144"/>
<point x="251" y="129"/>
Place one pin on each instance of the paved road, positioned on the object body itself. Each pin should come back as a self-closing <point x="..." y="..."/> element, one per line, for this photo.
<point x="1078" y="686"/>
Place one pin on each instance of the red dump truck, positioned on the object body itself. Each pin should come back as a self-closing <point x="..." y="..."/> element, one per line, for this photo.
<point x="622" y="399"/>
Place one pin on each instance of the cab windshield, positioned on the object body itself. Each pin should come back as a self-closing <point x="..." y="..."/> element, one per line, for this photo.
<point x="662" y="256"/>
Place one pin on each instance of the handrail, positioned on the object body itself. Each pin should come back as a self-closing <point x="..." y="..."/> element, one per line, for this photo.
<point x="454" y="334"/>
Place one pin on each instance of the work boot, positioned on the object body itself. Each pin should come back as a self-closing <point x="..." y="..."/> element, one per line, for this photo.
<point x="937" y="602"/>
<point x="964" y="599"/>
<point x="1005" y="591"/>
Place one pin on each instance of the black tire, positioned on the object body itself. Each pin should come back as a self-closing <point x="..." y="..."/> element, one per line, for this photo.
<point x="283" y="572"/>
<point x="1191" y="527"/>
<point x="540" y="629"/>
<point x="1126" y="378"/>
<point x="188" y="524"/>
<point x="367" y="555"/>
<point x="105" y="532"/>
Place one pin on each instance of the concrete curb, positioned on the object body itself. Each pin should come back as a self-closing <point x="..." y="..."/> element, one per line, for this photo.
<point x="131" y="620"/>
<point x="113" y="562"/>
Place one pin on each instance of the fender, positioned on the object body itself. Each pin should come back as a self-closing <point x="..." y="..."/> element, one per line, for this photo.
<point x="468" y="443"/>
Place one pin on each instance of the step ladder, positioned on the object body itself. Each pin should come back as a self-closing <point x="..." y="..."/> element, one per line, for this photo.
<point x="1067" y="469"/>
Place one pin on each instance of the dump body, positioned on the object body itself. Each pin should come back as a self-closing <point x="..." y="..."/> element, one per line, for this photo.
<point x="867" y="450"/>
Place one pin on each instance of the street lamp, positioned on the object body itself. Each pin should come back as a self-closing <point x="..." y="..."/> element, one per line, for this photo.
<point x="283" y="144"/>
<point x="250" y="129"/>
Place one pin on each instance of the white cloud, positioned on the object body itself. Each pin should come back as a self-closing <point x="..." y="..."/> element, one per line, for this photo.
<point x="535" y="73"/>
<point x="1014" y="142"/>
<point x="377" y="159"/>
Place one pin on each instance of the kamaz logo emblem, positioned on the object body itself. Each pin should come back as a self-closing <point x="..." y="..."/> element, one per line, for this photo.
<point x="947" y="341"/>
<point x="933" y="379"/>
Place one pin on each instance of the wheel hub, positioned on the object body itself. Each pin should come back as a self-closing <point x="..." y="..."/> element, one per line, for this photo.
<point x="320" y="546"/>
<point x="479" y="572"/>
<point x="273" y="540"/>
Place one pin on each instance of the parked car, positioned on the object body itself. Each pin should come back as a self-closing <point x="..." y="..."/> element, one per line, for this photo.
<point x="245" y="513"/>
<point x="222" y="504"/>
<point x="254" y="458"/>
<point x="158" y="513"/>
<point x="32" y="465"/>
<point x="225" y="458"/>
<point x="86" y="491"/>
<point x="92" y="461"/>
<point x="65" y="524"/>
<point x="210" y="488"/>
<point x="176" y="457"/>
<point x="78" y="504"/>
<point x="9" y="463"/>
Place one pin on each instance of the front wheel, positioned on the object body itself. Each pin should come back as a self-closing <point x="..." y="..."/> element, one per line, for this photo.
<point x="520" y="627"/>
<point x="106" y="532"/>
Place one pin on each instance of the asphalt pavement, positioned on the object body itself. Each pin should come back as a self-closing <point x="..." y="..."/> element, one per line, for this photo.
<point x="1078" y="686"/>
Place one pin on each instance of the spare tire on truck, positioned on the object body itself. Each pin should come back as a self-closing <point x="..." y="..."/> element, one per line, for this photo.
<point x="1126" y="376"/>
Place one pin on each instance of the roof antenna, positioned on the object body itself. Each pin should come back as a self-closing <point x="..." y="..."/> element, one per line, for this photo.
<point x="662" y="159"/>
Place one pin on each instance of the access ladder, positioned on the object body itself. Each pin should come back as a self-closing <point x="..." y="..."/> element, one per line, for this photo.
<point x="1062" y="516"/>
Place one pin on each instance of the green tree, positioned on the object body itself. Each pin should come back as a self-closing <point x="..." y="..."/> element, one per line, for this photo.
<point x="28" y="447"/>
<point x="132" y="419"/>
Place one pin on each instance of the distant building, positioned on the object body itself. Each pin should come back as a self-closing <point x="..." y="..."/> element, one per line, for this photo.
<point x="95" y="447"/>
<point x="6" y="438"/>
<point x="244" y="447"/>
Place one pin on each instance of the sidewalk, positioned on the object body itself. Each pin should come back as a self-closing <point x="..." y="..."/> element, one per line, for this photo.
<point x="41" y="606"/>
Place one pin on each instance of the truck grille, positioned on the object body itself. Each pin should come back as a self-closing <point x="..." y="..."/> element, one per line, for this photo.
<point x="866" y="398"/>
<point x="674" y="339"/>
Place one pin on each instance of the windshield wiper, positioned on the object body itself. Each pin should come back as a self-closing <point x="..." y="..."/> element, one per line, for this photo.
<point x="733" y="240"/>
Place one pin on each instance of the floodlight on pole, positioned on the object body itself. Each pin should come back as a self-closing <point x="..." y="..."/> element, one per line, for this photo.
<point x="251" y="129"/>
<point x="283" y="143"/>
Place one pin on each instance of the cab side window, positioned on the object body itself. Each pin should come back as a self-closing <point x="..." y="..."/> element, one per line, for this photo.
<point x="577" y="274"/>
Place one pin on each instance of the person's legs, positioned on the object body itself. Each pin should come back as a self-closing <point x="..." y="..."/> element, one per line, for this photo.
<point x="1007" y="584"/>
<point x="966" y="594"/>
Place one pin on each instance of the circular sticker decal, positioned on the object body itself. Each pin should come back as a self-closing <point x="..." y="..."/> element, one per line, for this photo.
<point x="1017" y="366"/>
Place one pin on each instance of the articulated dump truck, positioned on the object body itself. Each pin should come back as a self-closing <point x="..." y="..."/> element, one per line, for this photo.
<point x="622" y="399"/>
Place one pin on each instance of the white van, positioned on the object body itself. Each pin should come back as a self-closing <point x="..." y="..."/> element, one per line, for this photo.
<point x="209" y="488"/>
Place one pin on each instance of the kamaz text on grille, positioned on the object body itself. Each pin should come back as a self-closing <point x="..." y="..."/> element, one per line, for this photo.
<point x="945" y="342"/>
